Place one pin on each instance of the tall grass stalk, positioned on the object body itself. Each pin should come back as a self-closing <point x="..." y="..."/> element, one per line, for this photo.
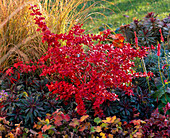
<point x="145" y="70"/>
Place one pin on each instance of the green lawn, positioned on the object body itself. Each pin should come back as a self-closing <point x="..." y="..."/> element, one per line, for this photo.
<point x="133" y="8"/>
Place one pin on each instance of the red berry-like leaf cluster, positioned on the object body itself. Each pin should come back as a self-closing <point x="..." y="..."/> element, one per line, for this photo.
<point x="87" y="75"/>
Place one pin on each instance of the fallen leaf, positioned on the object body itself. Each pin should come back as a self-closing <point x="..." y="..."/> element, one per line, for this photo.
<point x="97" y="120"/>
<point x="102" y="135"/>
<point x="110" y="136"/>
<point x="134" y="18"/>
<point x="67" y="118"/>
<point x="82" y="128"/>
<point x="46" y="128"/>
<point x="84" y="117"/>
<point x="98" y="129"/>
<point x="74" y="122"/>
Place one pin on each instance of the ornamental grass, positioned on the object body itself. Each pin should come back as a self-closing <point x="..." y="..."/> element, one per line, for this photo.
<point x="18" y="36"/>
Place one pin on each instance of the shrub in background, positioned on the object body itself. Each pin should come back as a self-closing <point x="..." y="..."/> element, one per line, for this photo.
<point x="147" y="30"/>
<point x="152" y="32"/>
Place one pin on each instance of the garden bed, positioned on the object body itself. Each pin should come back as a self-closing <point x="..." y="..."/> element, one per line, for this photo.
<point x="86" y="85"/>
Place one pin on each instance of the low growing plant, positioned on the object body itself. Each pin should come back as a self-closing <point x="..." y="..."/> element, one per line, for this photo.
<point x="157" y="125"/>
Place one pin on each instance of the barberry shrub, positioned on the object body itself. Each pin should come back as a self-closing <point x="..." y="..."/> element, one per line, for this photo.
<point x="85" y="75"/>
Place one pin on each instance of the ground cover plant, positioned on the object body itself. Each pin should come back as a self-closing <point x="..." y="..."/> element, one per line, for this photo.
<point x="86" y="85"/>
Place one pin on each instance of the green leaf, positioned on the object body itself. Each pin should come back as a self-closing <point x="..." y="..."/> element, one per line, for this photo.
<point x="160" y="106"/>
<point x="104" y="125"/>
<point x="75" y="129"/>
<point x="163" y="100"/>
<point x="26" y="110"/>
<point x="45" y="136"/>
<point x="168" y="97"/>
<point x="92" y="129"/>
<point x="97" y="120"/>
<point x="101" y="29"/>
<point x="158" y="93"/>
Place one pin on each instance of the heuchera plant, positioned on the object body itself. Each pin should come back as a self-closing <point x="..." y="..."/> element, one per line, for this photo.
<point x="85" y="75"/>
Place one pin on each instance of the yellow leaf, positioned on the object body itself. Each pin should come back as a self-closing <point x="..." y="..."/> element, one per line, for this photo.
<point x="92" y="136"/>
<point x="11" y="135"/>
<point x="131" y="136"/>
<point x="125" y="132"/>
<point x="113" y="119"/>
<point x="102" y="135"/>
<point x="84" y="117"/>
<point x="25" y="94"/>
<point x="110" y="136"/>
<point x="114" y="130"/>
<point x="48" y="114"/>
<point x="47" y="120"/>
<point x="112" y="3"/>
<point x="120" y="123"/>
<point x="143" y="122"/>
<point x="108" y="119"/>
<point x="167" y="82"/>
<point x="2" y="128"/>
<point x="66" y="136"/>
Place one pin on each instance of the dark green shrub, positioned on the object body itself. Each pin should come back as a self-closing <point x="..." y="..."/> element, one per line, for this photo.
<point x="147" y="30"/>
<point x="138" y="106"/>
<point x="28" y="98"/>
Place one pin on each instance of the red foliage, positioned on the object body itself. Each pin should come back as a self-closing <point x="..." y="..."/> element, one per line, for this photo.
<point x="90" y="73"/>
<point x="159" y="49"/>
<point x="118" y="40"/>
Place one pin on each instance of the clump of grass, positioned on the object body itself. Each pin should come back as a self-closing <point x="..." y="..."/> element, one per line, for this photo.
<point x="18" y="35"/>
<point x="15" y="28"/>
<point x="61" y="15"/>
